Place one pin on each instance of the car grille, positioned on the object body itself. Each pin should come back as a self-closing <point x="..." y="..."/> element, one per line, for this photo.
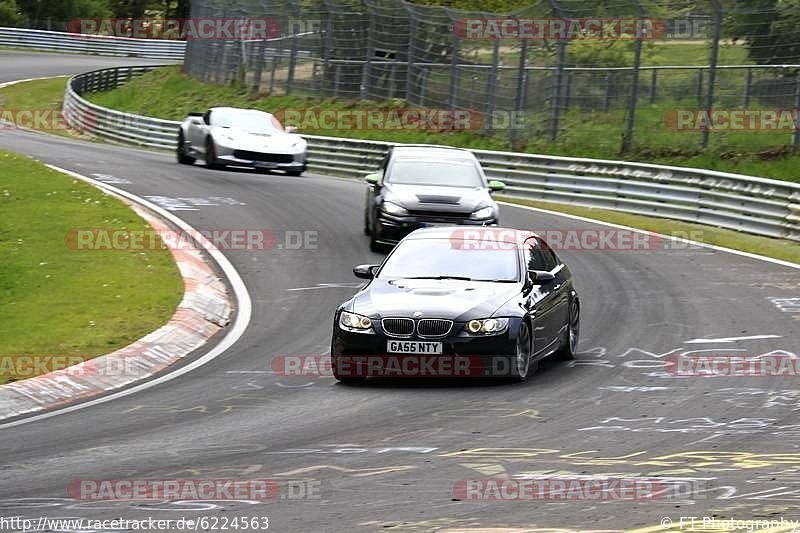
<point x="434" y="327"/>
<point x="426" y="327"/>
<point x="439" y="215"/>
<point x="260" y="156"/>
<point x="401" y="327"/>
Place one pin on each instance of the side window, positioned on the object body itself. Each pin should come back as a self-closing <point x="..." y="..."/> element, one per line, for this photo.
<point x="550" y="259"/>
<point x="207" y="117"/>
<point x="534" y="258"/>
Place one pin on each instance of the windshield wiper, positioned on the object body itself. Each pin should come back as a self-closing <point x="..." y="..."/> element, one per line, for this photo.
<point x="462" y="278"/>
<point x="497" y="280"/>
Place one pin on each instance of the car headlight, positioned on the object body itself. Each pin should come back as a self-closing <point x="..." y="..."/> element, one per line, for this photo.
<point x="393" y="209"/>
<point x="486" y="326"/>
<point x="484" y="212"/>
<point x="355" y="323"/>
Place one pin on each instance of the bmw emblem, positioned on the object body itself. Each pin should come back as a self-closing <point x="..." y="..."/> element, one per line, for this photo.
<point x="417" y="314"/>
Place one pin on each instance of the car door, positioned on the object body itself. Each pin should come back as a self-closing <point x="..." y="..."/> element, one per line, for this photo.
<point x="197" y="132"/>
<point x="542" y="299"/>
<point x="560" y="287"/>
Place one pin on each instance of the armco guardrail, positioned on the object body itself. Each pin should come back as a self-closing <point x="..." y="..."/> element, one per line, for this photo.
<point x="744" y="203"/>
<point x="92" y="44"/>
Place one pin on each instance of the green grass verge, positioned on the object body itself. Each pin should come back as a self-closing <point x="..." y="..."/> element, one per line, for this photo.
<point x="168" y="93"/>
<point x="777" y="248"/>
<point x="43" y="97"/>
<point x="57" y="301"/>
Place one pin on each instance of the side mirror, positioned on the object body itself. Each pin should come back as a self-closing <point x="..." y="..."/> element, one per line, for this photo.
<point x="540" y="277"/>
<point x="495" y="185"/>
<point x="365" y="271"/>
<point x="372" y="179"/>
<point x="290" y="129"/>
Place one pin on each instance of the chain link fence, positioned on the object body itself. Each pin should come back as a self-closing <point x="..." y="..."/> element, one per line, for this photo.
<point x="625" y="85"/>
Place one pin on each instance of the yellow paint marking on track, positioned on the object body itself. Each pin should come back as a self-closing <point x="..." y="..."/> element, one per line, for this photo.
<point x="487" y="469"/>
<point x="354" y="472"/>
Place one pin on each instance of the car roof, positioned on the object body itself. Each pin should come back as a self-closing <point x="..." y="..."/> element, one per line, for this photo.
<point x="481" y="233"/>
<point x="450" y="152"/>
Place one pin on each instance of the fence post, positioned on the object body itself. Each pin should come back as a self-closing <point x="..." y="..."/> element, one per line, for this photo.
<point x="609" y="85"/>
<point x="630" y="122"/>
<point x="293" y="52"/>
<point x="365" y="75"/>
<point x="522" y="85"/>
<point x="561" y="56"/>
<point x="412" y="42"/>
<point x="328" y="48"/>
<point x="712" y="68"/>
<point x="491" y="89"/>
<point x="796" y="136"/>
<point x="452" y="99"/>
<point x="699" y="87"/>
<point x="653" y="83"/>
<point x="748" y="83"/>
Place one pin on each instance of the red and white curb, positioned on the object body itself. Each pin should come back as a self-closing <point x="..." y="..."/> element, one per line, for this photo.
<point x="204" y="311"/>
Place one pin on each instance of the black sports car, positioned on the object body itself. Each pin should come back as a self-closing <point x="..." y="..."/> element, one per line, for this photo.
<point x="420" y="186"/>
<point x="458" y="301"/>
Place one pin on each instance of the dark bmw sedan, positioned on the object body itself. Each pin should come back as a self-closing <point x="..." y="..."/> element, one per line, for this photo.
<point x="420" y="186"/>
<point x="458" y="302"/>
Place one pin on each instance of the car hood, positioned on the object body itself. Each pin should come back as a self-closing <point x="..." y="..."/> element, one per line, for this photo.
<point x="439" y="199"/>
<point x="258" y="141"/>
<point x="454" y="299"/>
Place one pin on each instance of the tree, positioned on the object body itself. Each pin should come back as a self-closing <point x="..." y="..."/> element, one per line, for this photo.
<point x="9" y="13"/>
<point x="63" y="10"/>
<point x="769" y="28"/>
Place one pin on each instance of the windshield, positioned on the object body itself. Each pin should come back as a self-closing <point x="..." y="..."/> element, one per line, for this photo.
<point x="446" y="259"/>
<point x="448" y="173"/>
<point x="252" y="121"/>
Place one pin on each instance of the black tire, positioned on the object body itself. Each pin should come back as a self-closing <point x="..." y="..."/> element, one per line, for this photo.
<point x="367" y="229"/>
<point x="293" y="172"/>
<point x="211" y="155"/>
<point x="183" y="158"/>
<point x="569" y="345"/>
<point x="520" y="363"/>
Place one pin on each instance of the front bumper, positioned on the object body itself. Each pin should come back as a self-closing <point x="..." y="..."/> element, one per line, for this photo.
<point x="270" y="160"/>
<point x="366" y="355"/>
<point x="392" y="229"/>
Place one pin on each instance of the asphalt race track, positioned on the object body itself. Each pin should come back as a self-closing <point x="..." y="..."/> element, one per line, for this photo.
<point x="388" y="453"/>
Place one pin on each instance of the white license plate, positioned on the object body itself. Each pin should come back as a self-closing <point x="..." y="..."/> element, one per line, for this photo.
<point x="420" y="347"/>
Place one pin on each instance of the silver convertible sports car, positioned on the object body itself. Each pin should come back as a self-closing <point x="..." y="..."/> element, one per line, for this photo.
<point x="243" y="137"/>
